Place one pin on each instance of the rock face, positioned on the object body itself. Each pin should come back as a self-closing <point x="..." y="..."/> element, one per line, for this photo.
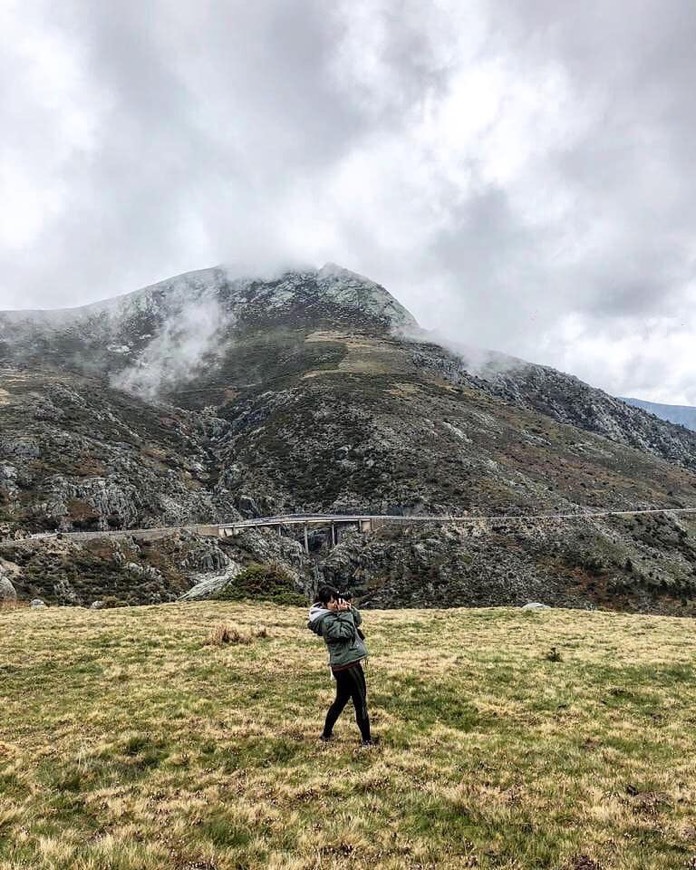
<point x="8" y="594"/>
<point x="207" y="397"/>
<point x="565" y="399"/>
<point x="568" y="400"/>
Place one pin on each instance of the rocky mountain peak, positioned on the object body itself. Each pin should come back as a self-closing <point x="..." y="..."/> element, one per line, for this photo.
<point x="194" y="313"/>
<point x="355" y="291"/>
<point x="238" y="296"/>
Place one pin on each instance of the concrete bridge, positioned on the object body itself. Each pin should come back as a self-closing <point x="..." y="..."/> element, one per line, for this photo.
<point x="368" y="522"/>
<point x="336" y="522"/>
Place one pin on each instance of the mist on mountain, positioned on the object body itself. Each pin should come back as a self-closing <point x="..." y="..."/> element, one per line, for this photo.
<point x="189" y="340"/>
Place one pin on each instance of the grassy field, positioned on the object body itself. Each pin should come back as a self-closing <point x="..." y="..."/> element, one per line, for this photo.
<point x="510" y="739"/>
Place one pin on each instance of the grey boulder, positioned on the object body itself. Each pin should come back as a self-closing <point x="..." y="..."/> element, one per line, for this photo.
<point x="7" y="590"/>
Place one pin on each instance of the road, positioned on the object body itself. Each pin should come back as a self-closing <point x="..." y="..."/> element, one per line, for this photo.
<point x="363" y="521"/>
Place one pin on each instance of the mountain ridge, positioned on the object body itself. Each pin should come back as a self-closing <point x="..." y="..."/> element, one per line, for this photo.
<point x="680" y="415"/>
<point x="318" y="392"/>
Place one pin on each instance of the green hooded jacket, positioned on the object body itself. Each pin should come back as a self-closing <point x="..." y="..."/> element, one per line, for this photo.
<point x="340" y="632"/>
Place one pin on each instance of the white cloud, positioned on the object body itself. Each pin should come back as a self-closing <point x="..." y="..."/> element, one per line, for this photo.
<point x="189" y="340"/>
<point x="519" y="174"/>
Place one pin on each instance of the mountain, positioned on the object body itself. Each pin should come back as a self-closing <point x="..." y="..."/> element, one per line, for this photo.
<point x="208" y="397"/>
<point x="682" y="415"/>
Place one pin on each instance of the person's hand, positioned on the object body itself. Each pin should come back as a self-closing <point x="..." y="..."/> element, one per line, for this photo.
<point x="343" y="605"/>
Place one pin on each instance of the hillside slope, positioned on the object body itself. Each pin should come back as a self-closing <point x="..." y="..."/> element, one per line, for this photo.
<point x="204" y="398"/>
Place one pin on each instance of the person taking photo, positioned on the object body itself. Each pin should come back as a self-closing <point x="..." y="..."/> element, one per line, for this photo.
<point x="336" y="620"/>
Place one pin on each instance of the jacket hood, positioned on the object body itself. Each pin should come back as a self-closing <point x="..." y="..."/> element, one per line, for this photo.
<point x="316" y="613"/>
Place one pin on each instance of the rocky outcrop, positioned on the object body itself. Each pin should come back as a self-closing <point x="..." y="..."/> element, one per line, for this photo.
<point x="144" y="570"/>
<point x="562" y="397"/>
<point x="112" y="462"/>
<point x="568" y="400"/>
<point x="207" y="586"/>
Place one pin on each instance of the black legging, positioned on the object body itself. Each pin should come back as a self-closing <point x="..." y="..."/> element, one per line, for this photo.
<point x="350" y="683"/>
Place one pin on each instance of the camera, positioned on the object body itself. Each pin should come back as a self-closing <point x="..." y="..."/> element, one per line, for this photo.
<point x="347" y="598"/>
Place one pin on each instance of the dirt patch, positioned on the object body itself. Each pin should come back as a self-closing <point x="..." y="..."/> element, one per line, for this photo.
<point x="582" y="862"/>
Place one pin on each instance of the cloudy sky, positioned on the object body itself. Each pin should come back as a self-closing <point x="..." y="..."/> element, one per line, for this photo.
<point x="519" y="174"/>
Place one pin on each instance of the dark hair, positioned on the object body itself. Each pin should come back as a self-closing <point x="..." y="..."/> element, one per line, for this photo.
<point x="327" y="593"/>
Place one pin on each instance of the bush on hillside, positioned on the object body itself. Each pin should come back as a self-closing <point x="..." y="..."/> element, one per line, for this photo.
<point x="263" y="582"/>
<point x="111" y="601"/>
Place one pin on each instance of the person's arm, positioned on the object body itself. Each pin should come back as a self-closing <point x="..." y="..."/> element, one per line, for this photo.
<point x="339" y="626"/>
<point x="357" y="618"/>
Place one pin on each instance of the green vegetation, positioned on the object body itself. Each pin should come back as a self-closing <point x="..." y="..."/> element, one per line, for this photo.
<point x="124" y="571"/>
<point x="186" y="737"/>
<point x="263" y="582"/>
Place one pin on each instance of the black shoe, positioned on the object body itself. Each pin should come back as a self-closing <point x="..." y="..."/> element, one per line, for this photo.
<point x="373" y="741"/>
<point x="325" y="738"/>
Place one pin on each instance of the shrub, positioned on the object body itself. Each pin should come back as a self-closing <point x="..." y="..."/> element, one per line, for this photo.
<point x="223" y="634"/>
<point x="111" y="601"/>
<point x="263" y="582"/>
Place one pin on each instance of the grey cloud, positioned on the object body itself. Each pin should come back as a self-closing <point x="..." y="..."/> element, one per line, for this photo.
<point x="206" y="116"/>
<point x="227" y="131"/>
<point x="486" y="253"/>
<point x="633" y="64"/>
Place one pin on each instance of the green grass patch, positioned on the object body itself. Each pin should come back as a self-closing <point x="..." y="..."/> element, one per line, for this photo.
<point x="128" y="740"/>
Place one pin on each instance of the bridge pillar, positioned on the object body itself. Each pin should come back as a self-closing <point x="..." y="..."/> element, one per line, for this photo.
<point x="306" y="540"/>
<point x="333" y="534"/>
<point x="365" y="525"/>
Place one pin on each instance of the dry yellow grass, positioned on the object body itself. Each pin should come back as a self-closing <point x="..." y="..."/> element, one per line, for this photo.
<point x="129" y="740"/>
<point x="13" y="605"/>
